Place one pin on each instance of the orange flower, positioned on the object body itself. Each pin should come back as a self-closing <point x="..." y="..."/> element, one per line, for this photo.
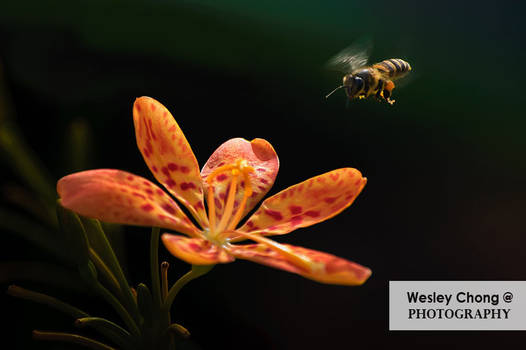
<point x="235" y="178"/>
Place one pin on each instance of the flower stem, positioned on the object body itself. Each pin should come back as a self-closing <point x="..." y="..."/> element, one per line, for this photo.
<point x="23" y="293"/>
<point x="154" y="267"/>
<point x="71" y="338"/>
<point x="196" y="271"/>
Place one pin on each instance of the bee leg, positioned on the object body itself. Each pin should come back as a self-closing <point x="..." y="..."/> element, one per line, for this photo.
<point x="389" y="86"/>
<point x="379" y="90"/>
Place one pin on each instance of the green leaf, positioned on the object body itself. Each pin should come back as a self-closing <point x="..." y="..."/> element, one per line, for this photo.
<point x="45" y="299"/>
<point x="99" y="242"/>
<point x="74" y="234"/>
<point x="112" y="331"/>
<point x="40" y="272"/>
<point x="33" y="232"/>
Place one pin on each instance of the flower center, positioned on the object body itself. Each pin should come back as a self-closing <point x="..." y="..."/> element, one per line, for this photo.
<point x="229" y="219"/>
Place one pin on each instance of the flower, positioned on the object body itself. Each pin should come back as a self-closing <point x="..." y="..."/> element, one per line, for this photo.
<point x="235" y="178"/>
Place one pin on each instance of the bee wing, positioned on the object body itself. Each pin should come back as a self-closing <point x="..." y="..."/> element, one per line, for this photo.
<point x="350" y="58"/>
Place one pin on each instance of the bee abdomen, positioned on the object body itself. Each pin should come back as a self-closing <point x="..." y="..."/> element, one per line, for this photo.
<point x="394" y="67"/>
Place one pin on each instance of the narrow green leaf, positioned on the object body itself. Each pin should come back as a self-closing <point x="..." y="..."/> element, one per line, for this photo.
<point x="100" y="243"/>
<point x="41" y="272"/>
<point x="33" y="232"/>
<point x="112" y="331"/>
<point x="73" y="233"/>
<point x="45" y="299"/>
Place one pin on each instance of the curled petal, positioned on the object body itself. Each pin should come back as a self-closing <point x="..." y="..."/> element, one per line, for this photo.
<point x="318" y="266"/>
<point x="259" y="154"/>
<point x="120" y="197"/>
<point x="168" y="154"/>
<point x="306" y="203"/>
<point x="196" y="251"/>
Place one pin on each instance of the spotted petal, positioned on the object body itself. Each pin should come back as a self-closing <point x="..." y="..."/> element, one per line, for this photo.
<point x="318" y="266"/>
<point x="120" y="197"/>
<point x="195" y="251"/>
<point x="259" y="154"/>
<point x="306" y="203"/>
<point x="168" y="154"/>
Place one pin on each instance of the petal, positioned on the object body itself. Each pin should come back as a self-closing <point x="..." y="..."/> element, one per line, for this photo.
<point x="306" y="203"/>
<point x="120" y="197"/>
<point x="196" y="251"/>
<point x="322" y="267"/>
<point x="168" y="154"/>
<point x="259" y="154"/>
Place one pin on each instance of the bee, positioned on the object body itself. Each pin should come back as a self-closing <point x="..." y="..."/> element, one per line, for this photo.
<point x="362" y="80"/>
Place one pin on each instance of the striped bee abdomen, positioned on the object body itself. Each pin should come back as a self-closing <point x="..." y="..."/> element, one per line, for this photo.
<point x="393" y="68"/>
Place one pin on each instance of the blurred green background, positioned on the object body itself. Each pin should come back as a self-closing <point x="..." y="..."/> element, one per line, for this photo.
<point x="446" y="195"/>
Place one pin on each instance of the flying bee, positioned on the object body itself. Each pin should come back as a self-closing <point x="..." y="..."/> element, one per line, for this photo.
<point x="362" y="80"/>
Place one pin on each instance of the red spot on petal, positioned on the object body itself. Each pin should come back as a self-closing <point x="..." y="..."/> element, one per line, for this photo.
<point x="186" y="185"/>
<point x="330" y="200"/>
<point x="263" y="181"/>
<point x="147" y="207"/>
<point x="185" y="169"/>
<point x="312" y="213"/>
<point x="138" y="195"/>
<point x="222" y="195"/>
<point x="168" y="208"/>
<point x="129" y="178"/>
<point x="151" y="129"/>
<point x="138" y="107"/>
<point x="221" y="177"/>
<point x="152" y="106"/>
<point x="296" y="220"/>
<point x="146" y="153"/>
<point x="159" y="192"/>
<point x="276" y="215"/>
<point x="172" y="166"/>
<point x="194" y="246"/>
<point x="295" y="209"/>
<point x="154" y="169"/>
<point x="170" y="183"/>
<point x="261" y="170"/>
<point x="199" y="205"/>
<point x="165" y="171"/>
<point x="149" y="191"/>
<point x="218" y="203"/>
<point x="334" y="176"/>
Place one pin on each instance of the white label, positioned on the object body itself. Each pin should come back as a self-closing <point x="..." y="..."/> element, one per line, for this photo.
<point x="457" y="305"/>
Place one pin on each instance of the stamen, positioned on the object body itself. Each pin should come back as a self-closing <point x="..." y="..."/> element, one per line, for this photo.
<point x="239" y="167"/>
<point x="246" y="195"/>
<point x="296" y="259"/>
<point x="229" y="202"/>
<point x="211" y="208"/>
<point x="164" y="279"/>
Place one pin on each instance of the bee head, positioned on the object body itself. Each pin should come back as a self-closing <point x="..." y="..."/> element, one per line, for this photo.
<point x="353" y="85"/>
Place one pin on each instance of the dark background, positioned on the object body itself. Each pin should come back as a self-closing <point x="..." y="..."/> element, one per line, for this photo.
<point x="446" y="195"/>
